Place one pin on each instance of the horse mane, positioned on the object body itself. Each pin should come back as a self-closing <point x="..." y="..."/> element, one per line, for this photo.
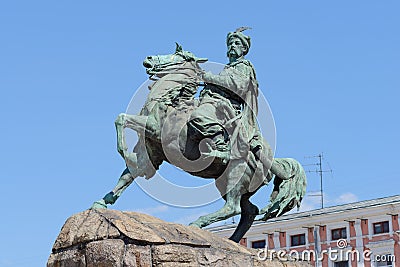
<point x="176" y="82"/>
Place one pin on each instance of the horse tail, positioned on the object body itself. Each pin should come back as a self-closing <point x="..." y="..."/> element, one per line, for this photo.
<point x="288" y="191"/>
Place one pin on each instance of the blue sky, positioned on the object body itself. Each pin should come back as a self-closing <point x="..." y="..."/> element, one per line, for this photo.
<point x="329" y="69"/>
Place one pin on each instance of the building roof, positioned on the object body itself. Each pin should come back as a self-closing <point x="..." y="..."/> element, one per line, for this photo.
<point x="328" y="210"/>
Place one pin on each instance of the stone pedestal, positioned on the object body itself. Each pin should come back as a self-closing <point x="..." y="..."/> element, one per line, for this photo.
<point x="125" y="239"/>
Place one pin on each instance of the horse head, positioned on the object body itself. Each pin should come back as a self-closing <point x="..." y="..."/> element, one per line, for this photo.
<point x="160" y="63"/>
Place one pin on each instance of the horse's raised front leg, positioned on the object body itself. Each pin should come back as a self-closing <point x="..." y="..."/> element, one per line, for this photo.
<point x="143" y="125"/>
<point x="120" y="126"/>
<point x="124" y="181"/>
<point x="134" y="122"/>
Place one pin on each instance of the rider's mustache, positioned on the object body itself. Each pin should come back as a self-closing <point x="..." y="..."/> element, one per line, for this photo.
<point x="236" y="51"/>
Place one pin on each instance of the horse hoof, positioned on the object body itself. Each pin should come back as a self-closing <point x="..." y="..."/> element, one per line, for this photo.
<point x="99" y="205"/>
<point x="120" y="121"/>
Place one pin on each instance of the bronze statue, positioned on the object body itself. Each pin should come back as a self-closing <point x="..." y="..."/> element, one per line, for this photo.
<point x="214" y="137"/>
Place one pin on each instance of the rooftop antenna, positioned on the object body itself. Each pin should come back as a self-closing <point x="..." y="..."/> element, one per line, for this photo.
<point x="320" y="171"/>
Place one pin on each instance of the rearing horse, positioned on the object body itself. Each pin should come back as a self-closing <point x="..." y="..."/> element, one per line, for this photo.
<point x="164" y="136"/>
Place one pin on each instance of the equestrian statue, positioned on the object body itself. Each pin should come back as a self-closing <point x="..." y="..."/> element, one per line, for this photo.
<point x="214" y="136"/>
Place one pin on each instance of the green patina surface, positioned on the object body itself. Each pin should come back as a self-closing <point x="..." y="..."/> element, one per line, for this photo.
<point x="220" y="127"/>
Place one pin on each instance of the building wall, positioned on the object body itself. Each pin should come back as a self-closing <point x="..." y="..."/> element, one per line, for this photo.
<point x="317" y="226"/>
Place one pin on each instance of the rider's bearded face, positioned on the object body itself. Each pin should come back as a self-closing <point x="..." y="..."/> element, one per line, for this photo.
<point x="235" y="48"/>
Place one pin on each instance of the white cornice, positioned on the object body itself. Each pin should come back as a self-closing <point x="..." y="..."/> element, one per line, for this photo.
<point x="379" y="244"/>
<point x="336" y="214"/>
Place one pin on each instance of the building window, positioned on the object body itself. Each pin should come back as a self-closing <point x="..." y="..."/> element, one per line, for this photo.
<point x="339" y="233"/>
<point x="243" y="242"/>
<point x="341" y="264"/>
<point x="381" y="227"/>
<point x="298" y="240"/>
<point x="258" y="244"/>
<point x="385" y="260"/>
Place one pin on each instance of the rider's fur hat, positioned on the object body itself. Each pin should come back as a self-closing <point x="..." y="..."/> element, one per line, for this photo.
<point x="244" y="38"/>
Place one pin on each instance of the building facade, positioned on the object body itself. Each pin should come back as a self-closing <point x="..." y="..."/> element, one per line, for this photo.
<point x="364" y="233"/>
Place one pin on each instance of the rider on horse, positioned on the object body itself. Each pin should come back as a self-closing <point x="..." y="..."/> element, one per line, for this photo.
<point x="228" y="106"/>
<point x="223" y="126"/>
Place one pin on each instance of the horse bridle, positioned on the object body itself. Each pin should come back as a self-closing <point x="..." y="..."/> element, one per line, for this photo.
<point x="166" y="68"/>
